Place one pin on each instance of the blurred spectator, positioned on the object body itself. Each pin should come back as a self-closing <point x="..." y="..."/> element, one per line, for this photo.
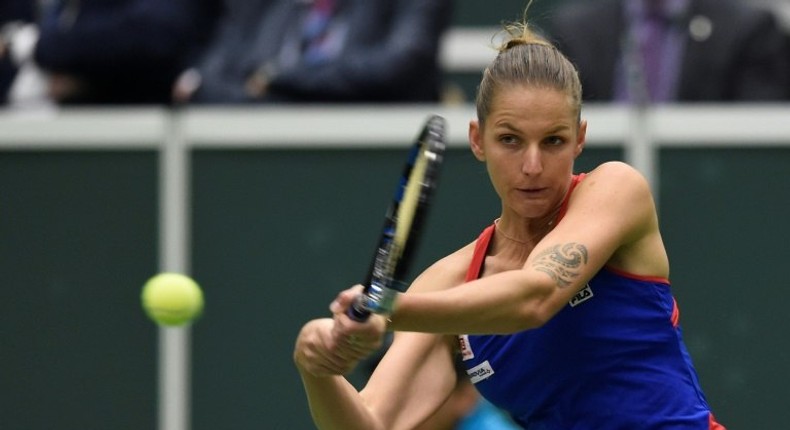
<point x="117" y="51"/>
<point x="219" y="68"/>
<point x="674" y="50"/>
<point x="326" y="51"/>
<point x="14" y="16"/>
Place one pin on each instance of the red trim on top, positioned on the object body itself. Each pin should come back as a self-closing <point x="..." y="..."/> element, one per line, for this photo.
<point x="625" y="274"/>
<point x="713" y="425"/>
<point x="481" y="248"/>
<point x="575" y="180"/>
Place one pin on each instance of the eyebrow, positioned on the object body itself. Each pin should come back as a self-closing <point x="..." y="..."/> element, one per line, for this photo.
<point x="559" y="128"/>
<point x="505" y="124"/>
<point x="556" y="129"/>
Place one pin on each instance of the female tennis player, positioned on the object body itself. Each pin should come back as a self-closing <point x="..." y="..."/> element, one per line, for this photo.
<point x="561" y="310"/>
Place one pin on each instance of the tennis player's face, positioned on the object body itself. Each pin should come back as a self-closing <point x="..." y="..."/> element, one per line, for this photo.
<point x="529" y="142"/>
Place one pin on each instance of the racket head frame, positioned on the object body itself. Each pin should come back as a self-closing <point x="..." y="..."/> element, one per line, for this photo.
<point x="395" y="249"/>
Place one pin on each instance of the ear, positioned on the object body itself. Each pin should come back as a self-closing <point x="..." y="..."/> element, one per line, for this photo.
<point x="476" y="140"/>
<point x="581" y="138"/>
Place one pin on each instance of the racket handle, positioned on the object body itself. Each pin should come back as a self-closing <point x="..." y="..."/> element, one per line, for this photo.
<point x="376" y="299"/>
<point x="358" y="311"/>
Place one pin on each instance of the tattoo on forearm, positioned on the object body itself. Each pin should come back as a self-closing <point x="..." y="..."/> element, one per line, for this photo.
<point x="562" y="262"/>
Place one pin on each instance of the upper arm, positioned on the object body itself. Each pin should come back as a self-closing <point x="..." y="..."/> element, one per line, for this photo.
<point x="611" y="209"/>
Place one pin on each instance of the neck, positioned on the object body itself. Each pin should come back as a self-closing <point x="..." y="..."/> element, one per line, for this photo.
<point x="532" y="234"/>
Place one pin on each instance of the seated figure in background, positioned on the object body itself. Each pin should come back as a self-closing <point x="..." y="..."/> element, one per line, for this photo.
<point x="663" y="51"/>
<point x="327" y="51"/>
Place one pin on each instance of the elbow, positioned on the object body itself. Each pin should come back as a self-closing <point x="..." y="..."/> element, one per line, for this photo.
<point x="539" y="316"/>
<point x="532" y="316"/>
<point x="535" y="308"/>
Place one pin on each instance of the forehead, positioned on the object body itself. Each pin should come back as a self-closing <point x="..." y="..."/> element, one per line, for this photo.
<point x="533" y="103"/>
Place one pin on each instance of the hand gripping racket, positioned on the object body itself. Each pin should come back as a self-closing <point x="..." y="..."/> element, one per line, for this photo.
<point x="403" y="222"/>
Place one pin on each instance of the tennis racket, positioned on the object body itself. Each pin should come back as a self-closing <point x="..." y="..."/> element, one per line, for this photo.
<point x="403" y="222"/>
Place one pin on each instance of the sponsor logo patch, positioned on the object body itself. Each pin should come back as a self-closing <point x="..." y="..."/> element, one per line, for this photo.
<point x="480" y="372"/>
<point x="582" y="296"/>
<point x="466" y="348"/>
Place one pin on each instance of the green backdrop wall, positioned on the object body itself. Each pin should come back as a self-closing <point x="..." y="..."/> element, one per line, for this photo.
<point x="78" y="235"/>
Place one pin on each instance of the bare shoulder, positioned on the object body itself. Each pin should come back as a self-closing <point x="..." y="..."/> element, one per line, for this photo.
<point x="619" y="198"/>
<point x="626" y="228"/>
<point x="445" y="273"/>
<point x="616" y="179"/>
<point x="617" y="171"/>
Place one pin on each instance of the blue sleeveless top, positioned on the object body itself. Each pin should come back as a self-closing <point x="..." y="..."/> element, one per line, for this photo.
<point x="612" y="358"/>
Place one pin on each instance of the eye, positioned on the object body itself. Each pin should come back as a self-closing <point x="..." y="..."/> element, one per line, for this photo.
<point x="554" y="140"/>
<point x="508" y="139"/>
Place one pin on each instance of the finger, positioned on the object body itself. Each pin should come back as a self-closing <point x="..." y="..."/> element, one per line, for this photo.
<point x="352" y="348"/>
<point x="358" y="351"/>
<point x="317" y="352"/>
<point x="344" y="353"/>
<point x="322" y="363"/>
<point x="330" y="368"/>
<point x="345" y="299"/>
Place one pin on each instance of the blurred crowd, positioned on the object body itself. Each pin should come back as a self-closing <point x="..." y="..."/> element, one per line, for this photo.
<point x="77" y="52"/>
<point x="175" y="52"/>
<point x="659" y="51"/>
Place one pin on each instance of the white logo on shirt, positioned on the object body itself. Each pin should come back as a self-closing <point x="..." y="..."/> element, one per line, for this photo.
<point x="582" y="296"/>
<point x="466" y="347"/>
<point x="480" y="372"/>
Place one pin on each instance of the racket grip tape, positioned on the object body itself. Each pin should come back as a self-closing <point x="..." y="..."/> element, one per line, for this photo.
<point x="376" y="299"/>
<point x="358" y="311"/>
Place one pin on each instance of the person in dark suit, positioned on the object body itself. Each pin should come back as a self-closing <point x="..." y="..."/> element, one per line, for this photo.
<point x="116" y="51"/>
<point x="219" y="65"/>
<point x="336" y="51"/>
<point x="709" y="50"/>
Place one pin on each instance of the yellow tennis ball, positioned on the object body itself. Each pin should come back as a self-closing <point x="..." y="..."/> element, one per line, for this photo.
<point x="172" y="299"/>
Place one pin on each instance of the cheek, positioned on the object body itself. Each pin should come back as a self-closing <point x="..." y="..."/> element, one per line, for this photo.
<point x="506" y="174"/>
<point x="565" y="169"/>
<point x="497" y="177"/>
<point x="564" y="160"/>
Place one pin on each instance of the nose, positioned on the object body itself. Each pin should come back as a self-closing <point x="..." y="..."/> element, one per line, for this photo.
<point x="531" y="162"/>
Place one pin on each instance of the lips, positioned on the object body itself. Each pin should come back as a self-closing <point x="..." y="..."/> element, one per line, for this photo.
<point x="532" y="191"/>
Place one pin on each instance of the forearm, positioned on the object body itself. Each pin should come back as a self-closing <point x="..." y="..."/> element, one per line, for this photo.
<point x="336" y="404"/>
<point x="504" y="303"/>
